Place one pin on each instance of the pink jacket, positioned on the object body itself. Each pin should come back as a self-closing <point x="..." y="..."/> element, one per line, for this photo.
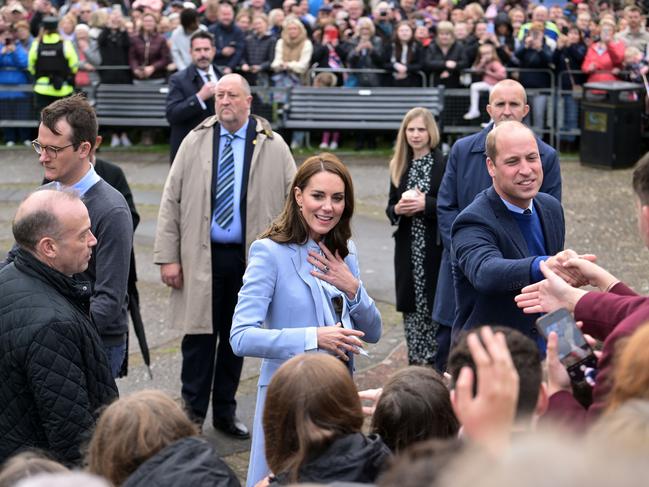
<point x="494" y="72"/>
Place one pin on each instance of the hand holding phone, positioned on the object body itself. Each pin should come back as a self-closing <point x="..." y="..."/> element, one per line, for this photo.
<point x="570" y="347"/>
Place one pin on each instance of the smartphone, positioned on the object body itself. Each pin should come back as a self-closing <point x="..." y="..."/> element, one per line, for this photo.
<point x="490" y="28"/>
<point x="574" y="351"/>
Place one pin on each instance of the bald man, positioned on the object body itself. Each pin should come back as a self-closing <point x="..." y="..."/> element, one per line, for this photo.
<point x="466" y="175"/>
<point x="55" y="374"/>
<point x="500" y="239"/>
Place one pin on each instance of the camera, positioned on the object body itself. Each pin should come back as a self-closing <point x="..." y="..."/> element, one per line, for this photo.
<point x="383" y="13"/>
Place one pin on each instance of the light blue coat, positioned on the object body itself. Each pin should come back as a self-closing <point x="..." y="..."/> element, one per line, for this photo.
<point x="279" y="308"/>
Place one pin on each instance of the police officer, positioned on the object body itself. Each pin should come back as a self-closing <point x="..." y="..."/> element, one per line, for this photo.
<point x="53" y="62"/>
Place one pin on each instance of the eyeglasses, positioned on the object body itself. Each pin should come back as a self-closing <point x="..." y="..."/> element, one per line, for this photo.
<point x="52" y="152"/>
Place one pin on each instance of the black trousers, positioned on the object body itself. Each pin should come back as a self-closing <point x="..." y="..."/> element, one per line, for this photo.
<point x="209" y="365"/>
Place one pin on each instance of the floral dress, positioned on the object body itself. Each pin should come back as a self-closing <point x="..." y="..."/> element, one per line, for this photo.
<point x="419" y="326"/>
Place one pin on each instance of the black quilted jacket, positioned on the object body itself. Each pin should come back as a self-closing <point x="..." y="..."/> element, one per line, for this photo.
<point x="53" y="370"/>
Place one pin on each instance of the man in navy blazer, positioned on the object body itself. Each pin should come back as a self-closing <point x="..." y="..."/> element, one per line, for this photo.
<point x="191" y="91"/>
<point x="465" y="176"/>
<point x="499" y="240"/>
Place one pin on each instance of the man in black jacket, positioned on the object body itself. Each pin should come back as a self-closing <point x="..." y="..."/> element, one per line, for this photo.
<point x="191" y="91"/>
<point x="54" y="375"/>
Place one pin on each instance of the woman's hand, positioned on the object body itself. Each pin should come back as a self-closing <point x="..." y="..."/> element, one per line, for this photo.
<point x="411" y="206"/>
<point x="339" y="340"/>
<point x="334" y="271"/>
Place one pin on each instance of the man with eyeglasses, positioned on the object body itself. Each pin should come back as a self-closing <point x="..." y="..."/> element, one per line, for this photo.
<point x="65" y="144"/>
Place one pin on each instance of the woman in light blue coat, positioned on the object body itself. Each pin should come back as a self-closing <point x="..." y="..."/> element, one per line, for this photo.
<point x="301" y="290"/>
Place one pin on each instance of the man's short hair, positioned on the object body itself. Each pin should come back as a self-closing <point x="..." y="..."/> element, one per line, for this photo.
<point x="490" y="144"/>
<point x="632" y="9"/>
<point x="188" y="18"/>
<point x="525" y="355"/>
<point x="29" y="228"/>
<point x="200" y="34"/>
<point x="78" y="113"/>
<point x="641" y="179"/>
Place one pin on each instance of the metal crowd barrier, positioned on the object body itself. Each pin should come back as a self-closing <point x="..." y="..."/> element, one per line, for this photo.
<point x="456" y="104"/>
<point x="561" y="120"/>
<point x="568" y="103"/>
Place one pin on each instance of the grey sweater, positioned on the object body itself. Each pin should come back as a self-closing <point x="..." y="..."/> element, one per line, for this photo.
<point x="110" y="221"/>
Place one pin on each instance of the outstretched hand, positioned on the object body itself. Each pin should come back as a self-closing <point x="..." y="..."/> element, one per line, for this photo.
<point x="548" y="295"/>
<point x="487" y="417"/>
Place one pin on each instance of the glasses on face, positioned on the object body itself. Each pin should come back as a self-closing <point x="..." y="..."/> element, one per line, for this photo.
<point x="51" y="151"/>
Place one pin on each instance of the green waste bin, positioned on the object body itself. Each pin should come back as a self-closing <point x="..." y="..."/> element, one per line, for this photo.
<point x="611" y="124"/>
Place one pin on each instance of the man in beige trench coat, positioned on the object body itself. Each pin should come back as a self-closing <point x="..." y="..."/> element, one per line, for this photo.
<point x="228" y="181"/>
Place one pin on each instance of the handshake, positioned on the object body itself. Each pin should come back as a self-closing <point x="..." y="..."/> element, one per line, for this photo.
<point x="564" y="273"/>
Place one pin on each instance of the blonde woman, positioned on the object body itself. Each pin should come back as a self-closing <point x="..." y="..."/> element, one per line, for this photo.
<point x="292" y="58"/>
<point x="416" y="171"/>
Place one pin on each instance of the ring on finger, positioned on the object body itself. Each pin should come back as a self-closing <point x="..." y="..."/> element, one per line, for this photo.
<point x="325" y="269"/>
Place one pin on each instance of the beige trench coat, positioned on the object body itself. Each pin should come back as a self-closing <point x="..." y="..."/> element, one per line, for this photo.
<point x="183" y="231"/>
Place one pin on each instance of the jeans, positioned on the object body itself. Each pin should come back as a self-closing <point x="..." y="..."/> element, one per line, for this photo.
<point x="115" y="355"/>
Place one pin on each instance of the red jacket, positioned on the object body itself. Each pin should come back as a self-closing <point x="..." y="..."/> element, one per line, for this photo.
<point x="612" y="57"/>
<point x="608" y="317"/>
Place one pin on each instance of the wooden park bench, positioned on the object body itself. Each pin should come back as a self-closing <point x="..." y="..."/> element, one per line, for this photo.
<point x="131" y="105"/>
<point x="356" y="108"/>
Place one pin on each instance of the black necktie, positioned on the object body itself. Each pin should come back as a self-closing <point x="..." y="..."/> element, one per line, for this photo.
<point x="527" y="211"/>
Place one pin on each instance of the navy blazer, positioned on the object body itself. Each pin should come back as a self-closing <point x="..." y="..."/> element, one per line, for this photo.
<point x="184" y="112"/>
<point x="491" y="261"/>
<point x="465" y="176"/>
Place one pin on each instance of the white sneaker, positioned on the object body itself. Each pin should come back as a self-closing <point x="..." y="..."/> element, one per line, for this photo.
<point x="333" y="146"/>
<point x="125" y="140"/>
<point x="324" y="145"/>
<point x="471" y="115"/>
<point x="27" y="143"/>
<point x="10" y="143"/>
<point x="114" y="141"/>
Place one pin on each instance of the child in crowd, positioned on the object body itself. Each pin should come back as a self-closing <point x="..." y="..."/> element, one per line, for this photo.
<point x="489" y="66"/>
<point x="635" y="65"/>
<point x="330" y="140"/>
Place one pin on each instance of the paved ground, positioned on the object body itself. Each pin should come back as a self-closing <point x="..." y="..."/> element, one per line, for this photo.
<point x="599" y="216"/>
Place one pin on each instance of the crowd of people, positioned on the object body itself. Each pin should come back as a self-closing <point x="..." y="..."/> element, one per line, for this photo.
<point x="260" y="262"/>
<point x="273" y="43"/>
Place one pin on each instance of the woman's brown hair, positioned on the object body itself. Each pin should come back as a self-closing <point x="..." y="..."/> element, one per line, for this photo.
<point x="133" y="429"/>
<point x="290" y="226"/>
<point x="311" y="401"/>
<point x="630" y="369"/>
<point x="415" y="405"/>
